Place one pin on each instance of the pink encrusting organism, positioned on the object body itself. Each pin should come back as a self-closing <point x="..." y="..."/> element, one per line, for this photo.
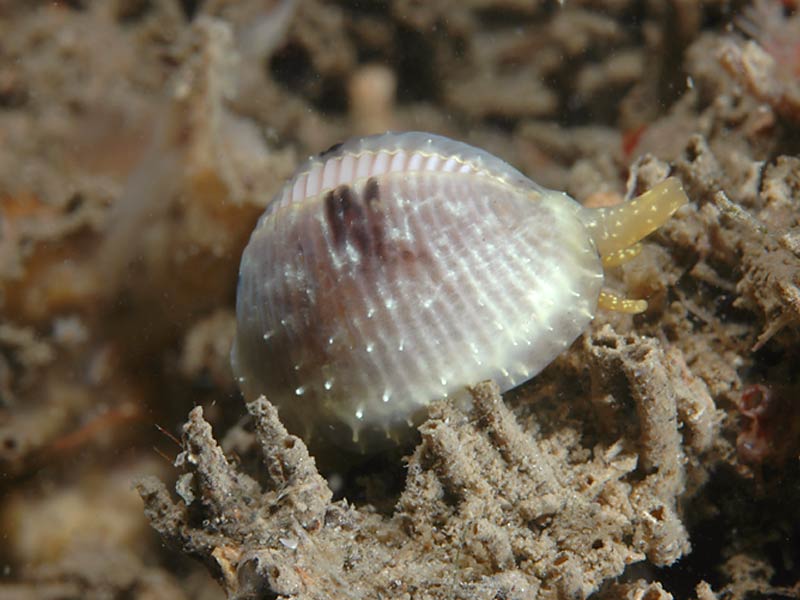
<point x="767" y="22"/>
<point x="770" y="424"/>
<point x="768" y="65"/>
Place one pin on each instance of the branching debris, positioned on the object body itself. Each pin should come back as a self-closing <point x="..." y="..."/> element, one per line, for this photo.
<point x="518" y="513"/>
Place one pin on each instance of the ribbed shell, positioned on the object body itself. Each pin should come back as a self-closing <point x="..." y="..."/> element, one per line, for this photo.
<point x="397" y="269"/>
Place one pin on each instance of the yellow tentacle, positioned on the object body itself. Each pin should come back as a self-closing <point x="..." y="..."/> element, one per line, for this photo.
<point x="617" y="228"/>
<point x="610" y="301"/>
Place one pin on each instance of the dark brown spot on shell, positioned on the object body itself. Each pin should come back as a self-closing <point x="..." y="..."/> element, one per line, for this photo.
<point x="346" y="219"/>
<point x="372" y="192"/>
<point x="407" y="256"/>
<point x="360" y="220"/>
<point x="330" y="150"/>
<point x="372" y="198"/>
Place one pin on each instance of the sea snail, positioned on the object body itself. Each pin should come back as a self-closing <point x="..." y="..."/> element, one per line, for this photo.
<point x="397" y="269"/>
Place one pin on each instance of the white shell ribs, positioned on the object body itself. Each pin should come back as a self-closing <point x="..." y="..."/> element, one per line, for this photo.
<point x="398" y="269"/>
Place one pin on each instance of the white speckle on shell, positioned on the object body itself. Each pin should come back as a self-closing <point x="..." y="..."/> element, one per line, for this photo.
<point x="404" y="267"/>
